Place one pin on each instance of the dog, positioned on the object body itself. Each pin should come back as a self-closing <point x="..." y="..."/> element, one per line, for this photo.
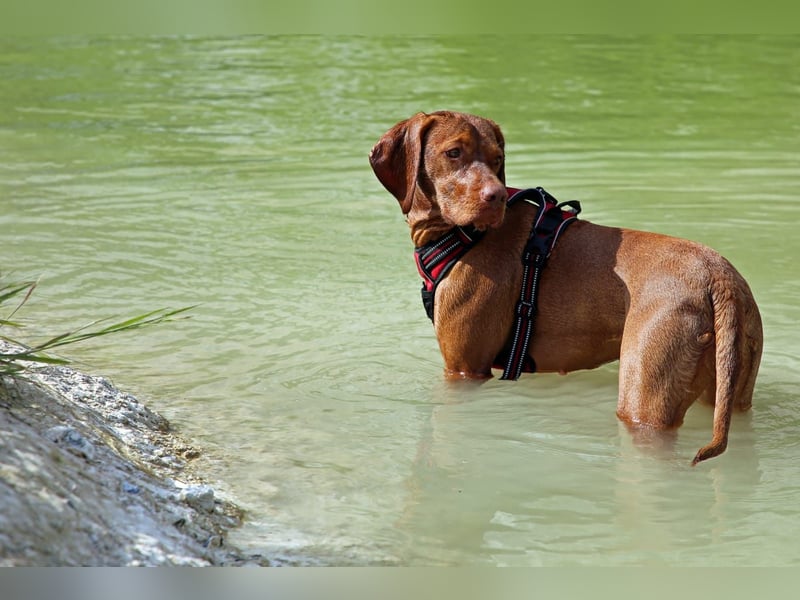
<point x="678" y="316"/>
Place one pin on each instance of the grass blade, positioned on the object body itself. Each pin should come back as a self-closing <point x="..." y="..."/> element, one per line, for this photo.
<point x="12" y="363"/>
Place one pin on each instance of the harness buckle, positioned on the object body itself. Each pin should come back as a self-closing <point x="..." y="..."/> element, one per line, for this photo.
<point x="526" y="310"/>
<point x="534" y="257"/>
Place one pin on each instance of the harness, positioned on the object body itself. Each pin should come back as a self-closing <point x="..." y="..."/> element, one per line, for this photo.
<point x="434" y="261"/>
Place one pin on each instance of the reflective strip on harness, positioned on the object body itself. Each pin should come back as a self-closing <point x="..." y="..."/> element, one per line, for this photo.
<point x="550" y="221"/>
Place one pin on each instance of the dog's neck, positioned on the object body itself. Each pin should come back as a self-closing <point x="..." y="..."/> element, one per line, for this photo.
<point x="425" y="230"/>
<point x="425" y="220"/>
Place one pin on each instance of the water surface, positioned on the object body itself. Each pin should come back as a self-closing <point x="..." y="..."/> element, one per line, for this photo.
<point x="137" y="173"/>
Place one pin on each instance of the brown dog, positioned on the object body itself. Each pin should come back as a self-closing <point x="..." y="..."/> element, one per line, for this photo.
<point x="681" y="320"/>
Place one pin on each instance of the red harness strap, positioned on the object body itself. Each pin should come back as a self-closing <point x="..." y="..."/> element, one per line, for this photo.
<point x="435" y="260"/>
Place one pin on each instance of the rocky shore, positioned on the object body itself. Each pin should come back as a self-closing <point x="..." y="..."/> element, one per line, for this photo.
<point x="91" y="476"/>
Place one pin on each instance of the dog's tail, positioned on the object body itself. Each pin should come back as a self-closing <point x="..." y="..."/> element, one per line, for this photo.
<point x="728" y="359"/>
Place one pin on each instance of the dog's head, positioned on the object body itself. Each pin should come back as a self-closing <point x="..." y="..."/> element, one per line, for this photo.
<point x="445" y="163"/>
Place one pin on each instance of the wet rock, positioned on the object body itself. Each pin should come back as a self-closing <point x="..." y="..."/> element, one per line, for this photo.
<point x="90" y="476"/>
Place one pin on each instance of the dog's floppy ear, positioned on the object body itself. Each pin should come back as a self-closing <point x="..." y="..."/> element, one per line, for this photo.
<point x="397" y="156"/>
<point x="501" y="174"/>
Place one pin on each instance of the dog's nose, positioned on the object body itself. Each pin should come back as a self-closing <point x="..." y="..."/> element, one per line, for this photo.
<point x="493" y="193"/>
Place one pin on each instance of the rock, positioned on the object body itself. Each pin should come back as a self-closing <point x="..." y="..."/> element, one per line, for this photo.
<point x="199" y="496"/>
<point x="90" y="476"/>
<point x="70" y="440"/>
<point x="130" y="488"/>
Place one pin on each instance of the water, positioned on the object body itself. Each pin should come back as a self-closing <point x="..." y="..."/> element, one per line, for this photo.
<point x="232" y="173"/>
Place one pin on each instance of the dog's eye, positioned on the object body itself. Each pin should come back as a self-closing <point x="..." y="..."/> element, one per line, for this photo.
<point x="499" y="160"/>
<point x="453" y="152"/>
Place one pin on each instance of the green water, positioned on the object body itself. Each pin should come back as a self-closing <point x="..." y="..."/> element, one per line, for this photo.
<point x="232" y="173"/>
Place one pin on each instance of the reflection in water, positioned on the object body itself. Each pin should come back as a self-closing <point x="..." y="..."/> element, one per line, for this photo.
<point x="139" y="173"/>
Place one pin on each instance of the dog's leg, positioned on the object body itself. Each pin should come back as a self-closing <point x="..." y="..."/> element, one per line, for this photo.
<point x="750" y="347"/>
<point x="661" y="371"/>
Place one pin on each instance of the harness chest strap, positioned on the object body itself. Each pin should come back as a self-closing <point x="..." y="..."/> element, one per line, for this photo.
<point x="551" y="219"/>
<point x="435" y="260"/>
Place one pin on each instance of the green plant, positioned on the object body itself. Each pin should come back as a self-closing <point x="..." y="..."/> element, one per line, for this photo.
<point x="13" y="357"/>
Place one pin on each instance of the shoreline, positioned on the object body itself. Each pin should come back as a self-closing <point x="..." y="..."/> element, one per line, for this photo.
<point x="89" y="476"/>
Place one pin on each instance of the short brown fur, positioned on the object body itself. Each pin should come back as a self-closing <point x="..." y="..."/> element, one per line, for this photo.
<point x="678" y="316"/>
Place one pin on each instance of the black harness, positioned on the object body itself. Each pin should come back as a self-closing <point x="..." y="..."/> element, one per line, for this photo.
<point x="434" y="261"/>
